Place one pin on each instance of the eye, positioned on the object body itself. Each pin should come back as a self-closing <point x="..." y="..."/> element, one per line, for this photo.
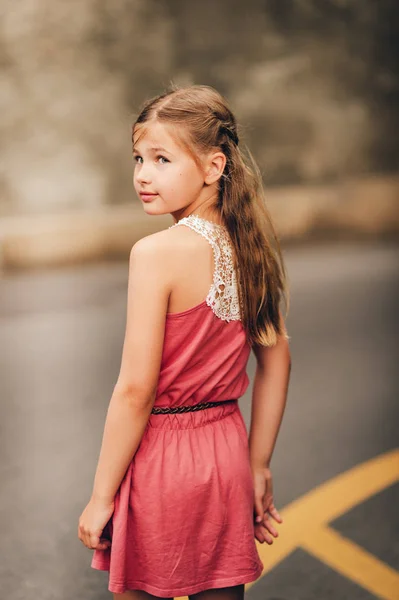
<point x="135" y="158"/>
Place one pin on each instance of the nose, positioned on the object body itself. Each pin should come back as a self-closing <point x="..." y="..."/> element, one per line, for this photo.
<point x="142" y="174"/>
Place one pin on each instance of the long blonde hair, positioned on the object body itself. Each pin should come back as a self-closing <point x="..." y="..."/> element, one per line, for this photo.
<point x="205" y="121"/>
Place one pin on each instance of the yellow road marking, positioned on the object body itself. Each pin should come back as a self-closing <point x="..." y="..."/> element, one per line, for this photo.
<point x="354" y="562"/>
<point x="306" y="518"/>
<point x="335" y="497"/>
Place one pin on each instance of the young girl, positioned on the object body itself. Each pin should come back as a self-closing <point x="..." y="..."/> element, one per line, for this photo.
<point x="181" y="493"/>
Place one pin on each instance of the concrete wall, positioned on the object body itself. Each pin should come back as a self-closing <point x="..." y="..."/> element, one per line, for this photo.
<point x="356" y="208"/>
<point x="313" y="85"/>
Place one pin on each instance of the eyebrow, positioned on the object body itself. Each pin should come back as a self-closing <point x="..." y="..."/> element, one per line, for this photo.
<point x="155" y="149"/>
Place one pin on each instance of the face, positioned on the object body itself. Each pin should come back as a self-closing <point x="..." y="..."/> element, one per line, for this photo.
<point x="165" y="169"/>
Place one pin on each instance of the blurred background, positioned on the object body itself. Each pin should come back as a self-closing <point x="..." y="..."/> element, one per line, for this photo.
<point x="315" y="88"/>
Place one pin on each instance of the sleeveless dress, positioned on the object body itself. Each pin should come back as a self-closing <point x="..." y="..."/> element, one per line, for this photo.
<point x="183" y="519"/>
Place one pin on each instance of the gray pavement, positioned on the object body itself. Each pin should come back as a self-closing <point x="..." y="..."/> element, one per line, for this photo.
<point x="61" y="337"/>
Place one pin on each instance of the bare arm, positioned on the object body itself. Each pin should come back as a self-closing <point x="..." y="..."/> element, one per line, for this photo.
<point x="269" y="398"/>
<point x="134" y="393"/>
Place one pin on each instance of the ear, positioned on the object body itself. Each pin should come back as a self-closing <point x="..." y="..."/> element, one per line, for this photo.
<point x="214" y="167"/>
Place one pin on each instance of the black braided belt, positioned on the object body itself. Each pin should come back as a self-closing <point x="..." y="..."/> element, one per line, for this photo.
<point x="182" y="409"/>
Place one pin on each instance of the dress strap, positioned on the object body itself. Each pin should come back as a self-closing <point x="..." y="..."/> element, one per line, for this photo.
<point x="223" y="294"/>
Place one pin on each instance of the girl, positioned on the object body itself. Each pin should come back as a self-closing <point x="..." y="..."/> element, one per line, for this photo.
<point x="180" y="492"/>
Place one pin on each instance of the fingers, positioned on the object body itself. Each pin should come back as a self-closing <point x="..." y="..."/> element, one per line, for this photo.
<point x="265" y="531"/>
<point x="92" y="540"/>
<point x="262" y="534"/>
<point x="258" y="509"/>
<point x="268" y="525"/>
<point x="84" y="536"/>
<point x="259" y="537"/>
<point x="272" y="510"/>
<point x="103" y="544"/>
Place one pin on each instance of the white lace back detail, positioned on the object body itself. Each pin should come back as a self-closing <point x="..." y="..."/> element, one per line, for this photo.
<point x="223" y="295"/>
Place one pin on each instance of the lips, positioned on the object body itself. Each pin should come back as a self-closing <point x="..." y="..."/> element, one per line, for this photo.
<point x="147" y="196"/>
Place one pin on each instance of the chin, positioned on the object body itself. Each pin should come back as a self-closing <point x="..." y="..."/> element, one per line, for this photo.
<point x="153" y="211"/>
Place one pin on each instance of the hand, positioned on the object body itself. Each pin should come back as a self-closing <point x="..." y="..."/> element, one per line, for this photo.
<point x="263" y="505"/>
<point x="92" y="522"/>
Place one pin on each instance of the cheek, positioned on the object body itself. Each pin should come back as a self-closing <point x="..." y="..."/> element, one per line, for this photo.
<point x="177" y="177"/>
<point x="135" y="182"/>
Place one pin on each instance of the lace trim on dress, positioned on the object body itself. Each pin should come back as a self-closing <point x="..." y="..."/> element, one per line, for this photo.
<point x="223" y="294"/>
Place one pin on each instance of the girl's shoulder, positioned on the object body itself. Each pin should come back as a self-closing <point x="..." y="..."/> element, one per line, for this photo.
<point x="167" y="242"/>
<point x="168" y="249"/>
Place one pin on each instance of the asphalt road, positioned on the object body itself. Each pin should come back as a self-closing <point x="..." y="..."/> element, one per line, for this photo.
<point x="61" y="337"/>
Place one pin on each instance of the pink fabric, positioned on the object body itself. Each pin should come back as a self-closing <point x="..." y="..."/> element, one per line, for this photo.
<point x="183" y="519"/>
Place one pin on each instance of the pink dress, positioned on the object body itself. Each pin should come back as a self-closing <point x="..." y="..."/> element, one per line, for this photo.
<point x="183" y="519"/>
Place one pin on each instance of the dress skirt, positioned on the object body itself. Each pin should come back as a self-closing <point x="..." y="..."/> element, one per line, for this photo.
<point x="183" y="519"/>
